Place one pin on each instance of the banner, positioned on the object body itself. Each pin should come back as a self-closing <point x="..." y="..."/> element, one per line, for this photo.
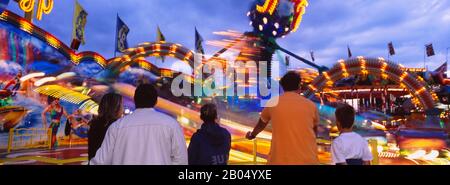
<point x="122" y="31"/>
<point x="198" y="43"/>
<point x="79" y="23"/>
<point x="160" y="38"/>
<point x="429" y="50"/>
<point x="349" y="52"/>
<point x="391" y="49"/>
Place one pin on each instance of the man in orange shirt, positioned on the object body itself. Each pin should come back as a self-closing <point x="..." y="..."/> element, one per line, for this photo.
<point x="294" y="125"/>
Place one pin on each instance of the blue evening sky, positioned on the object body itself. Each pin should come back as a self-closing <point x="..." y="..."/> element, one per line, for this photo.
<point x="327" y="27"/>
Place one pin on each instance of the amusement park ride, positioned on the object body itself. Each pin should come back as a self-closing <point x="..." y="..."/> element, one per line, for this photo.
<point x="270" y="19"/>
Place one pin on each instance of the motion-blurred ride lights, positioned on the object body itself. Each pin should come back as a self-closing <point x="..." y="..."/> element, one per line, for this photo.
<point x="44" y="80"/>
<point x="31" y="75"/>
<point x="422" y="154"/>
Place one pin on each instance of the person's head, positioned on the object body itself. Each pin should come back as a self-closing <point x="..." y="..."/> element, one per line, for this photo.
<point x="52" y="101"/>
<point x="208" y="113"/>
<point x="78" y="111"/>
<point x="111" y="107"/>
<point x="145" y="96"/>
<point x="345" y="117"/>
<point x="291" y="81"/>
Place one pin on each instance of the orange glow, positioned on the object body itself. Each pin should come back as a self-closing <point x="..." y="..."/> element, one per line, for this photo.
<point x="52" y="41"/>
<point x="404" y="75"/>
<point x="173" y="49"/>
<point x="421" y="90"/>
<point x="188" y="55"/>
<point x="26" y="26"/>
<point x="422" y="143"/>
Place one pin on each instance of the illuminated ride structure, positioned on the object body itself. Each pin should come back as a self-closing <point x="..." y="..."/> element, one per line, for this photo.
<point x="136" y="57"/>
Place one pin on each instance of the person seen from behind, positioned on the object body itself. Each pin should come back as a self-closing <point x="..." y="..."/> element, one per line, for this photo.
<point x="211" y="144"/>
<point x="110" y="109"/>
<point x="349" y="148"/>
<point x="294" y="125"/>
<point x="145" y="137"/>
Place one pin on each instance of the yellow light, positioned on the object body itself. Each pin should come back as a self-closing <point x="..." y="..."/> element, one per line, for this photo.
<point x="421" y="90"/>
<point x="183" y="120"/>
<point x="52" y="41"/>
<point x="300" y="10"/>
<point x="404" y="75"/>
<point x="44" y="8"/>
<point x="26" y="26"/>
<point x="126" y="58"/>
<point x="26" y="5"/>
<point x="265" y="7"/>
<point x="384" y="66"/>
<point x="173" y="49"/>
<point x="325" y="74"/>
<point x="344" y="70"/>
<point x="157" y="47"/>
<point x="312" y="87"/>
<point x="141" y="50"/>
<point x="188" y="55"/>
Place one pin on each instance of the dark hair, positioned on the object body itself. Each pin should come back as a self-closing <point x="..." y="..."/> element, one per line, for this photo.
<point x="50" y="100"/>
<point x="110" y="108"/>
<point x="345" y="115"/>
<point x="145" y="96"/>
<point x="291" y="81"/>
<point x="208" y="112"/>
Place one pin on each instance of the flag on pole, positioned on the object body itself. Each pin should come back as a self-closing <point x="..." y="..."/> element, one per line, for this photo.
<point x="430" y="50"/>
<point x="198" y="43"/>
<point x="122" y="31"/>
<point x="79" y="23"/>
<point x="160" y="38"/>
<point x="391" y="49"/>
<point x="349" y="52"/>
<point x="312" y="56"/>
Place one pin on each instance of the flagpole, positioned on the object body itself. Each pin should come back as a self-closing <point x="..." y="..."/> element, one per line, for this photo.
<point x="115" y="39"/>
<point x="424" y="57"/>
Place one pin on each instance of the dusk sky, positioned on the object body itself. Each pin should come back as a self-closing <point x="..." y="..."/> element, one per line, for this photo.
<point x="327" y="27"/>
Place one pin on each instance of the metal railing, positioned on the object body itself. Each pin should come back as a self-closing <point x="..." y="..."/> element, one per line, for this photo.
<point x="26" y="138"/>
<point x="254" y="152"/>
<point x="373" y="144"/>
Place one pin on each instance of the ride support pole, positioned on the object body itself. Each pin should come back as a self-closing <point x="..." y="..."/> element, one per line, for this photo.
<point x="49" y="138"/>
<point x="255" y="144"/>
<point x="10" y="139"/>
<point x="373" y="143"/>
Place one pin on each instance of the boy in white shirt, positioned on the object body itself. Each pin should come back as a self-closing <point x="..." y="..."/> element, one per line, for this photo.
<point x="349" y="148"/>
